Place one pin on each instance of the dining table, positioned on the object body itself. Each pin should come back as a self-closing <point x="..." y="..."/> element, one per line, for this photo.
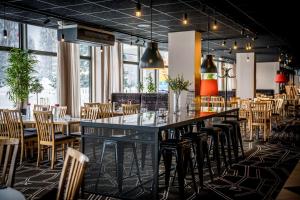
<point x="112" y="172"/>
<point x="8" y="193"/>
<point x="67" y="122"/>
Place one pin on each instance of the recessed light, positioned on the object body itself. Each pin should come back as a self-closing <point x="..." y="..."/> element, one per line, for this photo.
<point x="143" y="25"/>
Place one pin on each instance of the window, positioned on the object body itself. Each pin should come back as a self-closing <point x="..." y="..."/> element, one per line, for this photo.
<point x="12" y="28"/>
<point x="12" y="40"/>
<point x="130" y="53"/>
<point x="131" y="78"/>
<point x="41" y="39"/>
<point x="146" y="74"/>
<point x="46" y="72"/>
<point x="163" y="73"/>
<point x="42" y="43"/>
<point x="85" y="77"/>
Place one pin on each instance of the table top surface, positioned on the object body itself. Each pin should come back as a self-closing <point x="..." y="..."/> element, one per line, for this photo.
<point x="157" y="119"/>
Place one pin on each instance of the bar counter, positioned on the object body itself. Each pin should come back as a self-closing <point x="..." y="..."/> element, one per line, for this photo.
<point x="124" y="150"/>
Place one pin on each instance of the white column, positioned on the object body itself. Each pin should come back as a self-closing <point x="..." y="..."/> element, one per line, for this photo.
<point x="265" y="74"/>
<point x="185" y="59"/>
<point x="245" y="75"/>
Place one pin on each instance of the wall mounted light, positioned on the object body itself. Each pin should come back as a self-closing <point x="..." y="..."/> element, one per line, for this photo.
<point x="185" y="19"/>
<point x="215" y="25"/>
<point x="235" y="45"/>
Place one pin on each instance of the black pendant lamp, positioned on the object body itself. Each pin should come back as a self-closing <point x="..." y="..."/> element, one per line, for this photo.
<point x="151" y="58"/>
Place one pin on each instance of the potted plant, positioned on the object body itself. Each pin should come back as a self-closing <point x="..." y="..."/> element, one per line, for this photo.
<point x="140" y="87"/>
<point x="177" y="85"/>
<point x="19" y="76"/>
<point x="36" y="87"/>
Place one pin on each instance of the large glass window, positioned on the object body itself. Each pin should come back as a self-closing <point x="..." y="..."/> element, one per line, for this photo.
<point x="12" y="40"/>
<point x="85" y="78"/>
<point x="41" y="39"/>
<point x="163" y="73"/>
<point x="46" y="72"/>
<point x="130" y="53"/>
<point x="42" y="43"/>
<point x="12" y="29"/>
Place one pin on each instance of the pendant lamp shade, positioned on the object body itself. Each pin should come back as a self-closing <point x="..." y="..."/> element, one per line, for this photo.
<point x="151" y="58"/>
<point x="280" y="78"/>
<point x="209" y="77"/>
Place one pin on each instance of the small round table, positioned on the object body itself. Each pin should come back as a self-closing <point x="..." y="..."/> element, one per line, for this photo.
<point x="11" y="194"/>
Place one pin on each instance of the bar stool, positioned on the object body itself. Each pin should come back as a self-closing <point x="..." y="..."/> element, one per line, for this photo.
<point x="182" y="152"/>
<point x="238" y="134"/>
<point x="199" y="139"/>
<point x="217" y="139"/>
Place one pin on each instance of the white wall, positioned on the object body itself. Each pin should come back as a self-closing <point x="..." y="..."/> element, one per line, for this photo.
<point x="245" y="75"/>
<point x="265" y="74"/>
<point x="184" y="58"/>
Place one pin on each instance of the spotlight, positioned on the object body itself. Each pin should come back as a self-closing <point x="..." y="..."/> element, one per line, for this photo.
<point x="235" y="45"/>
<point x="223" y="43"/>
<point x="215" y="26"/>
<point x="62" y="37"/>
<point x="249" y="46"/>
<point x="101" y="49"/>
<point x="144" y="42"/>
<point x="138" y="9"/>
<point x="5" y="34"/>
<point x="243" y="31"/>
<point x="185" y="19"/>
<point x="248" y="59"/>
<point x="137" y="40"/>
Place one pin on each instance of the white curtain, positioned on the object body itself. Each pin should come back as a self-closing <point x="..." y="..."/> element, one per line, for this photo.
<point x="107" y="72"/>
<point x="69" y="77"/>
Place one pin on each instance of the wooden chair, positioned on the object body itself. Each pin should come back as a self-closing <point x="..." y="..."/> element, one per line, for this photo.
<point x="16" y="131"/>
<point x="47" y="136"/>
<point x="92" y="105"/>
<point x="129" y="109"/>
<point x="91" y="113"/>
<point x="106" y="110"/>
<point x="259" y="118"/>
<point x="217" y="101"/>
<point x="41" y="108"/>
<point x="61" y="113"/>
<point x="9" y="149"/>
<point x="72" y="175"/>
<point x="3" y="126"/>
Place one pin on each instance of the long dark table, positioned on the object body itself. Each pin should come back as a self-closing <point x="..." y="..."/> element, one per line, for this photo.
<point x="125" y="138"/>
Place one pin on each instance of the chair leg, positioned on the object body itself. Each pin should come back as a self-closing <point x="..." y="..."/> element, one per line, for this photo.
<point x="52" y="156"/>
<point x="136" y="162"/>
<point x="206" y="152"/>
<point x="22" y="152"/>
<point x="38" y="156"/>
<point x="167" y="156"/>
<point x="199" y="158"/>
<point x="180" y="172"/>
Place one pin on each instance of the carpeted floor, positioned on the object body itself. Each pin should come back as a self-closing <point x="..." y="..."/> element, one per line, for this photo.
<point x="260" y="176"/>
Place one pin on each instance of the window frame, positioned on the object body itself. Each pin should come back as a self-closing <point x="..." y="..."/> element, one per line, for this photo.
<point x="88" y="58"/>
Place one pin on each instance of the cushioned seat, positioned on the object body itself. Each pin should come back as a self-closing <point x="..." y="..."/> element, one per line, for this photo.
<point x="28" y="134"/>
<point x="59" y="137"/>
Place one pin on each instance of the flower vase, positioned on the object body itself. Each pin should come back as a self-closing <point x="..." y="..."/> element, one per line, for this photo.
<point x="177" y="101"/>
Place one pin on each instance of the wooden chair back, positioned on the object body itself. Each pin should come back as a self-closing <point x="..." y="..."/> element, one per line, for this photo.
<point x="92" y="105"/>
<point x="45" y="127"/>
<point x="129" y="109"/>
<point x="217" y="101"/>
<point x="72" y="175"/>
<point x="205" y="101"/>
<point x="14" y="124"/>
<point x="41" y="107"/>
<point x="8" y="149"/>
<point x="62" y="110"/>
<point x="258" y="113"/>
<point x="106" y="110"/>
<point x="3" y="126"/>
<point x="279" y="106"/>
<point x="91" y="113"/>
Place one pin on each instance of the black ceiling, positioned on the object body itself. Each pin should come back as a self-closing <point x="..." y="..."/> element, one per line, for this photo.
<point x="118" y="16"/>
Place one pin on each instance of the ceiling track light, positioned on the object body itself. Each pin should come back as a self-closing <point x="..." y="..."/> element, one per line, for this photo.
<point x="138" y="9"/>
<point x="185" y="19"/>
<point x="47" y="20"/>
<point x="5" y="34"/>
<point x="131" y="40"/>
<point x="235" y="45"/>
<point x="215" y="25"/>
<point x="101" y="49"/>
<point x="243" y="31"/>
<point x="223" y="43"/>
<point x="62" y="32"/>
<point x="4" y="23"/>
<point x="137" y="40"/>
<point x="144" y="42"/>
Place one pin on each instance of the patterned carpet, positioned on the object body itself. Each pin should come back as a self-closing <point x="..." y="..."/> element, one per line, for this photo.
<point x="260" y="176"/>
